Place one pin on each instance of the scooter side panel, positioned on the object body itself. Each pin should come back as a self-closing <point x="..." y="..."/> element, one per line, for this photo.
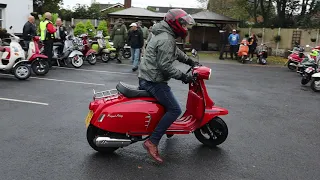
<point x="133" y="116"/>
<point x="316" y="75"/>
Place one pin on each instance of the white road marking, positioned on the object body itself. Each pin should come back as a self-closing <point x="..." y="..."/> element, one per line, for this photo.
<point x="89" y="70"/>
<point x="60" y="80"/>
<point x="23" y="101"/>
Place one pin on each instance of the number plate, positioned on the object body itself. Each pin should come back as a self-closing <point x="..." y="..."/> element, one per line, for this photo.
<point x="88" y="119"/>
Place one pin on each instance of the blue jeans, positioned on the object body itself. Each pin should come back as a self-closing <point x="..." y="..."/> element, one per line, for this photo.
<point x="162" y="92"/>
<point x="135" y="54"/>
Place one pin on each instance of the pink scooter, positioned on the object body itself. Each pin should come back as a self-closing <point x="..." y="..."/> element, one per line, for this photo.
<point x="39" y="62"/>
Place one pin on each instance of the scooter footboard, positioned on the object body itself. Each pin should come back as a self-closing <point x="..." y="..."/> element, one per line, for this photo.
<point x="209" y="114"/>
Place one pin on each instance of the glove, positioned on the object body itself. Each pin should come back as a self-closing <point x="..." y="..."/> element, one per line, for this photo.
<point x="185" y="78"/>
<point x="192" y="63"/>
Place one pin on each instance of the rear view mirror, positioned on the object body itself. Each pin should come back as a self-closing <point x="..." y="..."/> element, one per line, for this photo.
<point x="10" y="27"/>
<point x="195" y="54"/>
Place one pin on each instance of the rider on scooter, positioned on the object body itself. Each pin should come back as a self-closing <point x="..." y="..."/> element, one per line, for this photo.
<point x="157" y="68"/>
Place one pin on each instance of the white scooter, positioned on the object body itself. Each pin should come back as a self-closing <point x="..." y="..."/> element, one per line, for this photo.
<point x="315" y="82"/>
<point x="71" y="52"/>
<point x="12" y="58"/>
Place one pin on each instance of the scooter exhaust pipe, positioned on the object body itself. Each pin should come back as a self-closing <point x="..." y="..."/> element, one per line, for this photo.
<point x="111" y="142"/>
<point x="293" y="64"/>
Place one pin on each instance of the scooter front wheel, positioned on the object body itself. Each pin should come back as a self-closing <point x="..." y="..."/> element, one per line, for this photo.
<point x="40" y="67"/>
<point x="92" y="59"/>
<point x="76" y="61"/>
<point x="92" y="133"/>
<point x="215" y="132"/>
<point x="315" y="84"/>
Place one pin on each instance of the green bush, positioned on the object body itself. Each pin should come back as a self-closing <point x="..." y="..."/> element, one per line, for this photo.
<point x="89" y="26"/>
<point x="80" y="29"/>
<point x="103" y="26"/>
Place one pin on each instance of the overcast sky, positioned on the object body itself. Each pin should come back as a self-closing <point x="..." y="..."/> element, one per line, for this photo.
<point x="141" y="3"/>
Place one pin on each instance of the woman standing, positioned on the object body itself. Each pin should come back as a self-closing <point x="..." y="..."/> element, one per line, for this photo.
<point x="253" y="41"/>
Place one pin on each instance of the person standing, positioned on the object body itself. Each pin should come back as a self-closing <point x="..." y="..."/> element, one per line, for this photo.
<point x="253" y="40"/>
<point x="60" y="35"/>
<point x="145" y="32"/>
<point x="47" y="35"/>
<point x="223" y="42"/>
<point x="118" y="36"/>
<point x="233" y="41"/>
<point x="29" y="30"/>
<point x="135" y="41"/>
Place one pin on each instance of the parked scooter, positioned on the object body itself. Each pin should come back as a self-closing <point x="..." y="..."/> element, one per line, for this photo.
<point x="118" y="118"/>
<point x="125" y="51"/>
<point x="315" y="82"/>
<point x="262" y="54"/>
<point x="39" y="62"/>
<point x="309" y="66"/>
<point x="12" y="58"/>
<point x="243" y="51"/>
<point x="71" y="53"/>
<point x="89" y="54"/>
<point x="103" y="48"/>
<point x="296" y="56"/>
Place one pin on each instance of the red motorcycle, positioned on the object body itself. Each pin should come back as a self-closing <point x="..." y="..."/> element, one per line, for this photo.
<point x="120" y="117"/>
<point x="88" y="53"/>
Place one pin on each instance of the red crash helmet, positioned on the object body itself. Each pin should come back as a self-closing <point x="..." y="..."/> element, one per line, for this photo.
<point x="179" y="21"/>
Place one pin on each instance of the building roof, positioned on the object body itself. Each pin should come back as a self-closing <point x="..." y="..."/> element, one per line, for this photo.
<point x="166" y="9"/>
<point x="104" y="7"/>
<point x="209" y="15"/>
<point x="203" y="16"/>
<point x="135" y="11"/>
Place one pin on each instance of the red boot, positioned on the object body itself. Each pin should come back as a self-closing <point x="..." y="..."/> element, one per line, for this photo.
<point x="152" y="150"/>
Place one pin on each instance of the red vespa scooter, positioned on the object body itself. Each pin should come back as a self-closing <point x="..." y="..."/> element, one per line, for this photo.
<point x="120" y="117"/>
<point x="89" y="54"/>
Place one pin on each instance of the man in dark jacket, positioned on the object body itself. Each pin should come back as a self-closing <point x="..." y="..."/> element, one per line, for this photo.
<point x="223" y="41"/>
<point x="135" y="41"/>
<point x="157" y="68"/>
<point x="60" y="35"/>
<point x="29" y="30"/>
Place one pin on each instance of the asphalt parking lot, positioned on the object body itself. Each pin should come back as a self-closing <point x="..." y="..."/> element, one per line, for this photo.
<point x="273" y="128"/>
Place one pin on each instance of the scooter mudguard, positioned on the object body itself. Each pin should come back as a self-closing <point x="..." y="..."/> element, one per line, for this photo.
<point x="126" y="115"/>
<point x="91" y="51"/>
<point x="20" y="62"/>
<point x="316" y="75"/>
<point x="35" y="56"/>
<point x="75" y="52"/>
<point x="209" y="114"/>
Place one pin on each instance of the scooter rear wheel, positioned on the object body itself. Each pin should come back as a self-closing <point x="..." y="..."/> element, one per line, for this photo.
<point x="92" y="132"/>
<point x="213" y="133"/>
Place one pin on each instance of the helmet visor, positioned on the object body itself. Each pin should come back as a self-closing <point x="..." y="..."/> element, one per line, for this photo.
<point x="188" y="21"/>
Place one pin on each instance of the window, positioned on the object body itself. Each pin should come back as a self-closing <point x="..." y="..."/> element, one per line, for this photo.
<point x="1" y="16"/>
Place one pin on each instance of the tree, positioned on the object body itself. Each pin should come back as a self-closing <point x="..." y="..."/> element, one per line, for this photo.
<point x="151" y="9"/>
<point x="80" y="11"/>
<point x="79" y="29"/>
<point x="103" y="26"/>
<point x="90" y="28"/>
<point x="66" y="14"/>
<point x="42" y="6"/>
<point x="94" y="11"/>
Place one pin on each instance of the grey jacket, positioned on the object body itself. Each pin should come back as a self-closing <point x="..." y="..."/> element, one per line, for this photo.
<point x="161" y="52"/>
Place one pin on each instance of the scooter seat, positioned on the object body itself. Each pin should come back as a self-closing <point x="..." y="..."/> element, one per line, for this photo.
<point x="131" y="91"/>
<point x="57" y="44"/>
